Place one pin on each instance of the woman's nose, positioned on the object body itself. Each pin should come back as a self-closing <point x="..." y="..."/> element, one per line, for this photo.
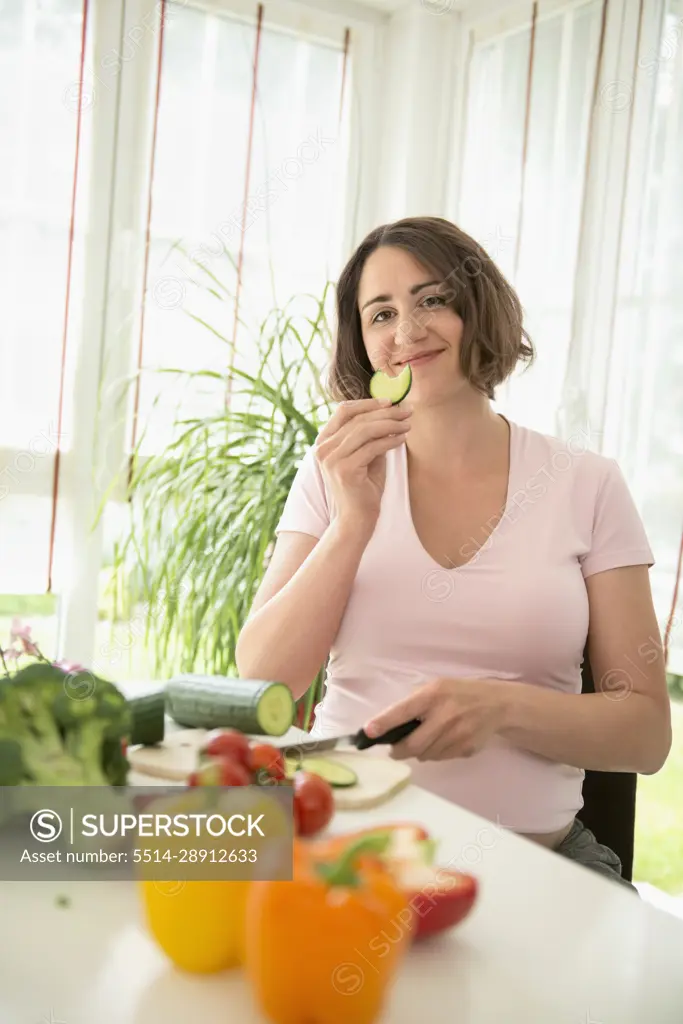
<point x="411" y="328"/>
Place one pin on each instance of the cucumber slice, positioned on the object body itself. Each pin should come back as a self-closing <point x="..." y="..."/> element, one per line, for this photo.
<point x="338" y="775"/>
<point x="213" y="702"/>
<point x="395" y="388"/>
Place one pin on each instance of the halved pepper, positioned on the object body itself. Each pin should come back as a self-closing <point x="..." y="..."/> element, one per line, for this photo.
<point x="325" y="947"/>
<point x="439" y="897"/>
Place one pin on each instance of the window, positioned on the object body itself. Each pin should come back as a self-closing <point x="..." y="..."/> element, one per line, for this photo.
<point x="644" y="418"/>
<point x="188" y="174"/>
<point x="577" y="197"/>
<point x="525" y="209"/>
<point x="290" y="210"/>
<point x="40" y="50"/>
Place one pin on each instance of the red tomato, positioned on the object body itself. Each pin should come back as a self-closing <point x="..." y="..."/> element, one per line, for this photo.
<point x="266" y="762"/>
<point x="224" y="771"/>
<point x="313" y="803"/>
<point x="228" y="743"/>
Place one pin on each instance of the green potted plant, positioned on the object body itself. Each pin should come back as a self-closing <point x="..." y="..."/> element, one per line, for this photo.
<point x="202" y="512"/>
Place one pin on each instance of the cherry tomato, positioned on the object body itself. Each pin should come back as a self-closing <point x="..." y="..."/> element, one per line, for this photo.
<point x="267" y="763"/>
<point x="313" y="803"/>
<point x="228" y="743"/>
<point x="223" y="771"/>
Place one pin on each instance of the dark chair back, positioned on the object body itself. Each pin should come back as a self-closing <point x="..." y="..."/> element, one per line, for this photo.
<point x="609" y="809"/>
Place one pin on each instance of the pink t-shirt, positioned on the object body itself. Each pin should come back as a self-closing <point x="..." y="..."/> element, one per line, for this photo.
<point x="517" y="610"/>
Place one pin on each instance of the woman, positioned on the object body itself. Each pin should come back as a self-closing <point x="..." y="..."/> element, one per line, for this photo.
<point x="454" y="564"/>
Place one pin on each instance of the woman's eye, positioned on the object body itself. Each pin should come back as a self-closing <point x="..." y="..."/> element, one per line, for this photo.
<point x="438" y="300"/>
<point x="382" y="313"/>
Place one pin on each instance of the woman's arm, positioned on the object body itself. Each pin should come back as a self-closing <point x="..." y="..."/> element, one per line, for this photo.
<point x="626" y="725"/>
<point x="300" y="604"/>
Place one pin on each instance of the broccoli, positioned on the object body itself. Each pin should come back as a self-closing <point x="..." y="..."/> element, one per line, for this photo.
<point x="62" y="729"/>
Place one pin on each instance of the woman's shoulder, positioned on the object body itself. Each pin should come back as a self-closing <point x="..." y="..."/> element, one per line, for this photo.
<point x="547" y="454"/>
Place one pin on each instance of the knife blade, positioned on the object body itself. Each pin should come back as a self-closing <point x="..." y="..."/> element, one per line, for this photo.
<point x="360" y="740"/>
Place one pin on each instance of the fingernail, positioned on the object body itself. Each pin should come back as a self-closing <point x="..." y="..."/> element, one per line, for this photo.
<point x="384" y="402"/>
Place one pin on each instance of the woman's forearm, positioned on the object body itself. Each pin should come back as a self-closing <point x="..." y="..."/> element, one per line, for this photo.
<point x="589" y="731"/>
<point x="290" y="637"/>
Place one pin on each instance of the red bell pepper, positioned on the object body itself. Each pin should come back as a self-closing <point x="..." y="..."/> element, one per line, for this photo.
<point x="439" y="897"/>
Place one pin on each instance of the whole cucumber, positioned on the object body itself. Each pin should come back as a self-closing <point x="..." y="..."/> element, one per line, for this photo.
<point x="254" y="706"/>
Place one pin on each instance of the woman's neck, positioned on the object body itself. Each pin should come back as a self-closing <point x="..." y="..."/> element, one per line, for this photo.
<point x="459" y="432"/>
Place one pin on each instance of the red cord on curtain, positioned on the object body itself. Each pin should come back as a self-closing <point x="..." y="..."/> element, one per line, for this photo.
<point x="67" y="301"/>
<point x="584" y="195"/>
<point x="674" y="602"/>
<point x="247" y="180"/>
<point x="525" y="143"/>
<point x="613" y="311"/>
<point x="145" y="270"/>
<point x="345" y="63"/>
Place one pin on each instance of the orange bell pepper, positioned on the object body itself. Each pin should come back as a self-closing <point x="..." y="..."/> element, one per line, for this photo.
<point x="325" y="947"/>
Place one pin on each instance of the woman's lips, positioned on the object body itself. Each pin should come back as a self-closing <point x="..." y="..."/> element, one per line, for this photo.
<point x="422" y="360"/>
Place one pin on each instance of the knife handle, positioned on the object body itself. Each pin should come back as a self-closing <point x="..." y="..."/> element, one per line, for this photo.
<point x="399" y="732"/>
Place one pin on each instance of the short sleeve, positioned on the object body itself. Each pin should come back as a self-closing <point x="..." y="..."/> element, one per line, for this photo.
<point x="306" y="508"/>
<point x="618" y="536"/>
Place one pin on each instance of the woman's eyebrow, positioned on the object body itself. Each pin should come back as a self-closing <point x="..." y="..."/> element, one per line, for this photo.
<point x="413" y="291"/>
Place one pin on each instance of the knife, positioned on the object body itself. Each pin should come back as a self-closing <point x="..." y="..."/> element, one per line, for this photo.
<point x="360" y="740"/>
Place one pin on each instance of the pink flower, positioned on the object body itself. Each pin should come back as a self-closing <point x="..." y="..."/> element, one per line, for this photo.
<point x="23" y="633"/>
<point x="68" y="666"/>
<point x="19" y="631"/>
<point x="11" y="654"/>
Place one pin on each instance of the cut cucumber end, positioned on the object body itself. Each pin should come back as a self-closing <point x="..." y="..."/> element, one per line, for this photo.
<point x="276" y="710"/>
<point x="395" y="388"/>
<point x="339" y="776"/>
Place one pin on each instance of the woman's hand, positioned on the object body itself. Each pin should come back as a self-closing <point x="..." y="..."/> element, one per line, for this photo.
<point x="351" y="450"/>
<point x="459" y="717"/>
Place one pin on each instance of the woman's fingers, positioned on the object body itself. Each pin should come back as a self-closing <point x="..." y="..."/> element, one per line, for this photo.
<point x="419" y="741"/>
<point x="364" y="432"/>
<point x="365" y="455"/>
<point x="347" y="411"/>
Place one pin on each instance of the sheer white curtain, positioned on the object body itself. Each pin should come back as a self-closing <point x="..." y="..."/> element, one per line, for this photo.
<point x="292" y="212"/>
<point x="524" y="204"/>
<point x="40" y="48"/>
<point x="572" y="180"/>
<point x="643" y="421"/>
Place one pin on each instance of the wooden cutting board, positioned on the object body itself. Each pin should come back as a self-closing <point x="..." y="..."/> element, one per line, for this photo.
<point x="379" y="778"/>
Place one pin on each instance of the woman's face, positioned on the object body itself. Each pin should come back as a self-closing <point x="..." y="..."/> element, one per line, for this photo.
<point x="405" y="319"/>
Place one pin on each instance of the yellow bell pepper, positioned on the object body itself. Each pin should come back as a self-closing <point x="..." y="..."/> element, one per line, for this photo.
<point x="198" y="924"/>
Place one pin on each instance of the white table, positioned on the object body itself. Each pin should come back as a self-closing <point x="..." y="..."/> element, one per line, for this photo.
<point x="548" y="943"/>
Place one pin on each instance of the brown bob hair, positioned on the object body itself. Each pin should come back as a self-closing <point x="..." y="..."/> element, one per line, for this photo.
<point x="493" y="340"/>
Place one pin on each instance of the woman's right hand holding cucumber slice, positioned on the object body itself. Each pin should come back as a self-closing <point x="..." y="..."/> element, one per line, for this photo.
<point x="351" y="451"/>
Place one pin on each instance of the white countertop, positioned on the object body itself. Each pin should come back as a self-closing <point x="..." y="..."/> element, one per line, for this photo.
<point x="548" y="943"/>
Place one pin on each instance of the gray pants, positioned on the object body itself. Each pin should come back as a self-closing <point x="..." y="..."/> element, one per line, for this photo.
<point x="580" y="845"/>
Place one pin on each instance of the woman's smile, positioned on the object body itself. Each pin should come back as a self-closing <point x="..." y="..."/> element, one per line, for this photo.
<point x="422" y="360"/>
